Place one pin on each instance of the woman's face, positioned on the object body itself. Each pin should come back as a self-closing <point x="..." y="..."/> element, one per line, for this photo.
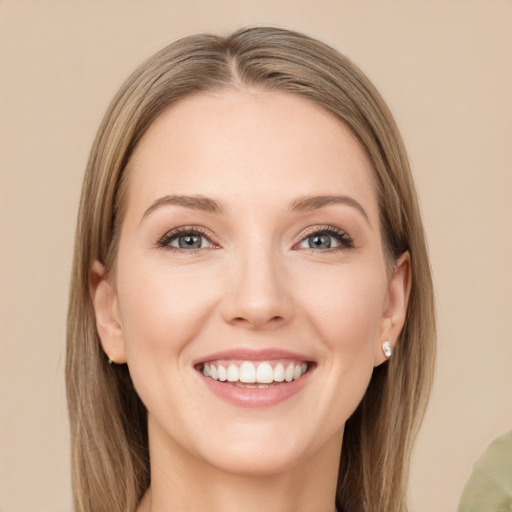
<point x="250" y="251"/>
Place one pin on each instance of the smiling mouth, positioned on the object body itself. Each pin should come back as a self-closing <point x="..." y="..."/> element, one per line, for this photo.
<point x="249" y="374"/>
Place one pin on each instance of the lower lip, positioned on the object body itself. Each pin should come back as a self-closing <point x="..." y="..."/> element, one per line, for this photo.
<point x="255" y="397"/>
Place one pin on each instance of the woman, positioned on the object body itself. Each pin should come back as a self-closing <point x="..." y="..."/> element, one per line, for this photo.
<point x="251" y="319"/>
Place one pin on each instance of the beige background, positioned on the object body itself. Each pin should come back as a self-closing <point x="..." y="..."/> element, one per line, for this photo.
<point x="445" y="69"/>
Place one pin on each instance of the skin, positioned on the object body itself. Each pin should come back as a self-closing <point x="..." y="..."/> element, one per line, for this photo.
<point x="255" y="283"/>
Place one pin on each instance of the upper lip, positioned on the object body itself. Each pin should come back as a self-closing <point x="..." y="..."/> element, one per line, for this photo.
<point x="245" y="354"/>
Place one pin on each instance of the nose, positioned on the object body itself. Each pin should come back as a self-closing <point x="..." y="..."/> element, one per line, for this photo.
<point x="258" y="292"/>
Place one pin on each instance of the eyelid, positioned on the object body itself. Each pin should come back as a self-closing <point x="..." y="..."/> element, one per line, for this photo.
<point x="164" y="241"/>
<point x="345" y="240"/>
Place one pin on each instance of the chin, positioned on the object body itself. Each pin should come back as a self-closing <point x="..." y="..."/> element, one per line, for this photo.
<point x="255" y="462"/>
<point x="269" y="449"/>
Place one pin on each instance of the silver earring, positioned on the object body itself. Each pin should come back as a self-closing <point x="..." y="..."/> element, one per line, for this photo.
<point x="110" y="360"/>
<point x="386" y="348"/>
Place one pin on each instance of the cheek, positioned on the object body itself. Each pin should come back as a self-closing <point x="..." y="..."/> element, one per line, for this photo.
<point x="346" y="315"/>
<point x="346" y="307"/>
<point x="342" y="309"/>
<point x="163" y="309"/>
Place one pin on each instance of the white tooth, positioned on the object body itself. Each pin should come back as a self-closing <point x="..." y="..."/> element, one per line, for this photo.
<point x="304" y="368"/>
<point x="222" y="373"/>
<point x="206" y="370"/>
<point x="247" y="372"/>
<point x="279" y="373"/>
<point x="297" y="372"/>
<point x="265" y="374"/>
<point x="288" y="373"/>
<point x="214" y="374"/>
<point x="233" y="373"/>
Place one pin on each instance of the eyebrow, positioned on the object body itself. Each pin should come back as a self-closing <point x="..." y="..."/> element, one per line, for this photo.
<point x="307" y="203"/>
<point x="301" y="204"/>
<point x="195" y="202"/>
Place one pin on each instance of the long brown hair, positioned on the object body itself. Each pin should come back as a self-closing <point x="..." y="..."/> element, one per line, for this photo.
<point x="110" y="461"/>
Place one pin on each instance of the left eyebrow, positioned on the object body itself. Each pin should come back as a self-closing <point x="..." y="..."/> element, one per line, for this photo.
<point x="307" y="203"/>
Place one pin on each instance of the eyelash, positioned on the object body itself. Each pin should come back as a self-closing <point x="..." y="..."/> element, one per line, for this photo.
<point x="341" y="236"/>
<point x="345" y="240"/>
<point x="164" y="242"/>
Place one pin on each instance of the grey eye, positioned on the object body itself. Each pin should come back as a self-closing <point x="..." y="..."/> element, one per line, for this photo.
<point x="188" y="241"/>
<point x="320" y="241"/>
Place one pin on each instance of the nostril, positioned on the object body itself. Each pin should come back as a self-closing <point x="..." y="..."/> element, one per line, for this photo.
<point x="258" y="321"/>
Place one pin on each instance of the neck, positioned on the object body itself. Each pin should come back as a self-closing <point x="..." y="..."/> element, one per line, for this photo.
<point x="182" y="483"/>
<point x="273" y="495"/>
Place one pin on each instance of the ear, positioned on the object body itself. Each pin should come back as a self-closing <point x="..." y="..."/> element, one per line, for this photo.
<point x="395" y="306"/>
<point x="106" y="311"/>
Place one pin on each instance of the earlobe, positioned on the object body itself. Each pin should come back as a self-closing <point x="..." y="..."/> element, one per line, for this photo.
<point x="395" y="310"/>
<point x="106" y="311"/>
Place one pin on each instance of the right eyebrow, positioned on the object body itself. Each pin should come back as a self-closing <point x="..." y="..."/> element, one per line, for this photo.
<point x="195" y="202"/>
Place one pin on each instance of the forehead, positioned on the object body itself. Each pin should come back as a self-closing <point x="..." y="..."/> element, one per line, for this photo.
<point x="257" y="146"/>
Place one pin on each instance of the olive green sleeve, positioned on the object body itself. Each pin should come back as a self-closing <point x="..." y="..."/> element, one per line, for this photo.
<point x="489" y="489"/>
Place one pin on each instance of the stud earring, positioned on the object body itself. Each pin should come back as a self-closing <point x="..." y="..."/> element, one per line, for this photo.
<point x="386" y="348"/>
<point x="110" y="360"/>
